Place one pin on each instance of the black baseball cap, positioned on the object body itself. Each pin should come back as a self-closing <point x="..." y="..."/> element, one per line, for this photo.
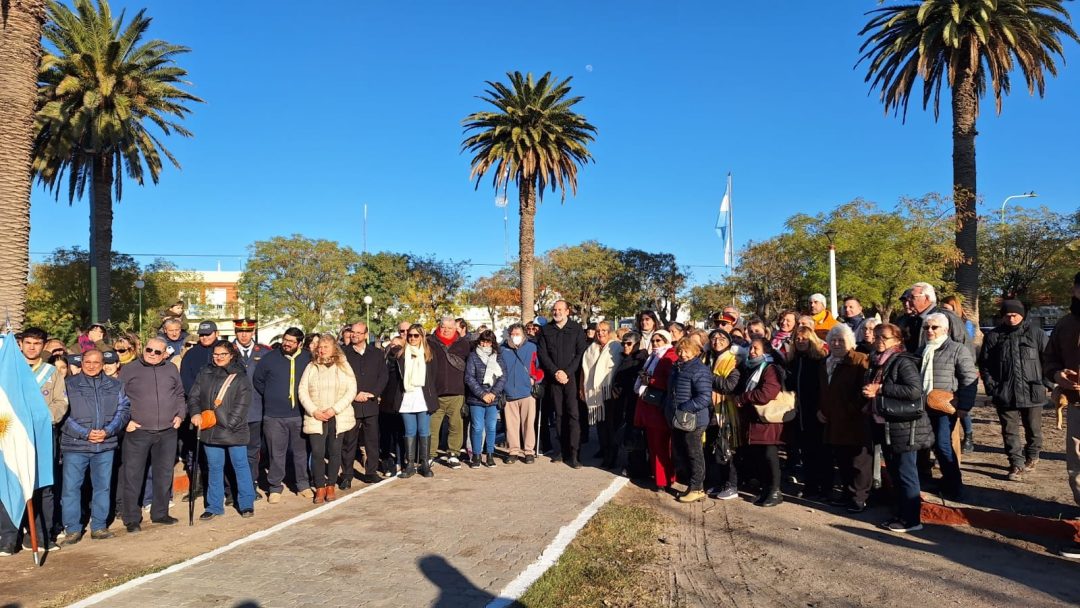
<point x="207" y="327"/>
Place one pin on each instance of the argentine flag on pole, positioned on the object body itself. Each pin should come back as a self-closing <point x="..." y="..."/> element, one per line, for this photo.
<point x="724" y="226"/>
<point x="25" y="432"/>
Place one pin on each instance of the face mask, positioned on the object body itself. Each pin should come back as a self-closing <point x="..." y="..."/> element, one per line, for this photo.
<point x="517" y="340"/>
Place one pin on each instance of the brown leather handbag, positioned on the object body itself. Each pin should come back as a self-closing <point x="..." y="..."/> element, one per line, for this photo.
<point x="941" y="401"/>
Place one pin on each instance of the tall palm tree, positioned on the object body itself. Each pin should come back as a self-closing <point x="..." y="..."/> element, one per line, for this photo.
<point x="20" y="51"/>
<point x="97" y="91"/>
<point x="969" y="44"/>
<point x="534" y="139"/>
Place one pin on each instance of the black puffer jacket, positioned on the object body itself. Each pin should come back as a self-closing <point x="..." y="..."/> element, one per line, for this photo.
<point x="1011" y="370"/>
<point x="902" y="380"/>
<point x="232" y="426"/>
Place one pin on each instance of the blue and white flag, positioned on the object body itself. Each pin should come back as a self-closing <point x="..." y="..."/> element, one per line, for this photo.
<point x="724" y="226"/>
<point x="26" y="452"/>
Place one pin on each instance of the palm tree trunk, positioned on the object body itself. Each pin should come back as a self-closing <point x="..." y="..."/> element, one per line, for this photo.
<point x="20" y="53"/>
<point x="101" y="218"/>
<point x="527" y="247"/>
<point x="965" y="109"/>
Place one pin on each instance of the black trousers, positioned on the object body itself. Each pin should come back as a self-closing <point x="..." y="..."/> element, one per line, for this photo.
<point x="284" y="438"/>
<point x="368" y="428"/>
<point x="690" y="450"/>
<point x="391" y="440"/>
<point x="1030" y="418"/>
<point x="160" y="448"/>
<point x="565" y="402"/>
<point x="817" y="461"/>
<point x="325" y="455"/>
<point x="856" y="464"/>
<point x="607" y="430"/>
<point x="254" y="450"/>
<point x="546" y="415"/>
<point x="770" y="467"/>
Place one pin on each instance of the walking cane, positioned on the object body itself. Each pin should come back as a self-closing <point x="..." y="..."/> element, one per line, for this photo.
<point x="194" y="479"/>
<point x="33" y="531"/>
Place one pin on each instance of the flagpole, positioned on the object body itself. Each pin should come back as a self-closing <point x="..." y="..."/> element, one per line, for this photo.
<point x="731" y="234"/>
<point x="33" y="530"/>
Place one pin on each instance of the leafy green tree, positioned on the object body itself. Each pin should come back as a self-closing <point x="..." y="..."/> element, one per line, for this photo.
<point x="59" y="291"/>
<point x="1028" y="255"/>
<point x="306" y="280"/>
<point x="20" y="52"/>
<point x="101" y="87"/>
<point x="707" y="298"/>
<point x="649" y="281"/>
<point x="584" y="275"/>
<point x="433" y="288"/>
<point x="972" y="46"/>
<point x="384" y="276"/>
<point x="534" y="139"/>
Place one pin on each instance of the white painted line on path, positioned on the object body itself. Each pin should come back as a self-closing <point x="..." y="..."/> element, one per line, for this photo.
<point x="551" y="554"/>
<point x="306" y="515"/>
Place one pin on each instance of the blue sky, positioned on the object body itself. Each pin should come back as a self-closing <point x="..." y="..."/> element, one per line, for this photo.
<point x="314" y="110"/>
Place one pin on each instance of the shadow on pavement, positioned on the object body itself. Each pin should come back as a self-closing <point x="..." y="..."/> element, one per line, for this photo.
<point x="1044" y="573"/>
<point x="455" y="590"/>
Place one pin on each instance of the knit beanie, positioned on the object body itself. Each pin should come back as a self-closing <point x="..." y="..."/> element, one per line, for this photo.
<point x="1012" y="307"/>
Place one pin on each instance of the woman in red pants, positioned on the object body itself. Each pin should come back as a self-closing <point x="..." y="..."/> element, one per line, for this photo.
<point x="651" y="387"/>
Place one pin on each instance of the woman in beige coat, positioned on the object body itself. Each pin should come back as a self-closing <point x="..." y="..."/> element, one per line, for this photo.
<point x="326" y="390"/>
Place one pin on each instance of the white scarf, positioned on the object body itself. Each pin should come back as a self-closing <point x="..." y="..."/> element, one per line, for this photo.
<point x="928" y="362"/>
<point x="415" y="368"/>
<point x="831" y="363"/>
<point x="599" y="363"/>
<point x="492" y="369"/>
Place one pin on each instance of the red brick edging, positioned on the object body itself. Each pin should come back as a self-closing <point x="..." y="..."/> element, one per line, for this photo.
<point x="999" y="521"/>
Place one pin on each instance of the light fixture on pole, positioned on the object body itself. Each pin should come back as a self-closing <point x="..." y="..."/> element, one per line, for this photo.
<point x="139" y="284"/>
<point x="831" y="234"/>
<point x="1009" y="198"/>
<point x="367" y="313"/>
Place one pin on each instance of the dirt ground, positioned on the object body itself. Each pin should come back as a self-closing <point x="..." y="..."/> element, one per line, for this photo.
<point x="731" y="553"/>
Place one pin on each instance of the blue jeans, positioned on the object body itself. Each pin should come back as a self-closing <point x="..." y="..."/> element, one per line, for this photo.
<point x="215" y="468"/>
<point x="101" y="469"/>
<point x="418" y="423"/>
<point x="904" y="474"/>
<point x="950" y="468"/>
<point x="483" y="418"/>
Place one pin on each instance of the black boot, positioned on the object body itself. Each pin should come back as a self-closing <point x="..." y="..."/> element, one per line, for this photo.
<point x="408" y="466"/>
<point x="772" y="499"/>
<point x="967" y="446"/>
<point x="424" y="444"/>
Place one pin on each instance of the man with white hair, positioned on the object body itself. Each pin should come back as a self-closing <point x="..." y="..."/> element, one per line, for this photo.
<point x="924" y="302"/>
<point x="823" y="319"/>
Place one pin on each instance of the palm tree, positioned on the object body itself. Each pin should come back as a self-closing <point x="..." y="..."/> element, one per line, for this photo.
<point x="96" y="92"/>
<point x="534" y="139"/>
<point x="970" y="44"/>
<point x="20" y="52"/>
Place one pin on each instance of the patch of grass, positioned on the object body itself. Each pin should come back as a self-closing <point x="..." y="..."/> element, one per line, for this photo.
<point x="87" y="590"/>
<point x="612" y="562"/>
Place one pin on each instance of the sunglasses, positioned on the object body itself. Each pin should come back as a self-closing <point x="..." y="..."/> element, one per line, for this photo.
<point x="929" y="327"/>
<point x="122" y="350"/>
<point x="150" y="351"/>
<point x="658" y="341"/>
<point x="414" y="335"/>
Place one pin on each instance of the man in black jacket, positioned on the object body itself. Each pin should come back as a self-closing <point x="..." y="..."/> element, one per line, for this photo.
<point x="450" y="351"/>
<point x="1013" y="376"/>
<point x="153" y="385"/>
<point x="277" y="378"/>
<point x="562" y="344"/>
<point x="369" y="366"/>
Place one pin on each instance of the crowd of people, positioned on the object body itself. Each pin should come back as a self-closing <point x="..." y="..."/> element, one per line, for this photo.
<point x="802" y="404"/>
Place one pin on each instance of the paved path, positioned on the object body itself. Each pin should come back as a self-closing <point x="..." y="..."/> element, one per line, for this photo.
<point x="455" y="540"/>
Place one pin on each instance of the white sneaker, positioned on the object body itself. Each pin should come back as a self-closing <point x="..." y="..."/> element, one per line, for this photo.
<point x="453" y="462"/>
<point x="899" y="526"/>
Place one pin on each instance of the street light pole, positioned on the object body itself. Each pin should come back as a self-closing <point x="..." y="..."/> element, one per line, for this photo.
<point x="139" y="284"/>
<point x="1009" y="198"/>
<point x="367" y="313"/>
<point x="830" y="234"/>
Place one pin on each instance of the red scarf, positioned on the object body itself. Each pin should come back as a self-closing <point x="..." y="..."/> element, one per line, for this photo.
<point x="446" y="341"/>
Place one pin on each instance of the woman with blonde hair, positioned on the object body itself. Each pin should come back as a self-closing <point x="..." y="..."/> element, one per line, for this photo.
<point x="326" y="390"/>
<point x="416" y="376"/>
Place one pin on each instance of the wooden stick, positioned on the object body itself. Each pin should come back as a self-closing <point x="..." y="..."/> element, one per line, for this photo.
<point x="33" y="530"/>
